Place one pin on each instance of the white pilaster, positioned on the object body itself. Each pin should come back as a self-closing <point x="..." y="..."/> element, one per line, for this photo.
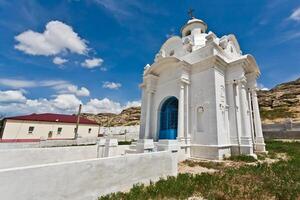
<point x="187" y="125"/>
<point x="237" y="108"/>
<point x="232" y="113"/>
<point x="181" y="111"/>
<point x="246" y="143"/>
<point x="187" y="113"/>
<point x="251" y="116"/>
<point x="148" y="115"/>
<point x="260" y="143"/>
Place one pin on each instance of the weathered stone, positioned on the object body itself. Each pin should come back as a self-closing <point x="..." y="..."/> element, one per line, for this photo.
<point x="285" y="96"/>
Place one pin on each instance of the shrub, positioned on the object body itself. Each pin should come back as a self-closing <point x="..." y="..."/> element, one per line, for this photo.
<point x="124" y="142"/>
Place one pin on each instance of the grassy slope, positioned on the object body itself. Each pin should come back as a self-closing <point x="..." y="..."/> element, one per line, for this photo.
<point x="279" y="180"/>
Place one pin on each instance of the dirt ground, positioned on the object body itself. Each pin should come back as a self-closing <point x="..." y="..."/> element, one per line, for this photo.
<point x="198" y="166"/>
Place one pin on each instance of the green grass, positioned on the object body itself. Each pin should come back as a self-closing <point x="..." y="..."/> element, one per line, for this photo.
<point x="280" y="180"/>
<point x="243" y="158"/>
<point x="280" y="112"/>
<point x="206" y="164"/>
<point x="124" y="142"/>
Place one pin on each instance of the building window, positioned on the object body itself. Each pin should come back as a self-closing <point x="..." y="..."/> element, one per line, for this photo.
<point x="59" y="130"/>
<point x="172" y="53"/>
<point x="50" y="134"/>
<point x="90" y="130"/>
<point x="30" y="129"/>
<point x="188" y="33"/>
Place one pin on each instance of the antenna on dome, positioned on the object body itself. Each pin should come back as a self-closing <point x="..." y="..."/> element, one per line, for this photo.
<point x="190" y="13"/>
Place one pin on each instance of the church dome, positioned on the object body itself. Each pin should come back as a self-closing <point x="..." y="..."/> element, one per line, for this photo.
<point x="193" y="24"/>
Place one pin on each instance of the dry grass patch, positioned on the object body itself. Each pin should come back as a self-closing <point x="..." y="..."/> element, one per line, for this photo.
<point x="261" y="180"/>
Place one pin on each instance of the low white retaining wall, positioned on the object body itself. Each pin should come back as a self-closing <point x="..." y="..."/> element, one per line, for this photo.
<point x="86" y="179"/>
<point x="49" y="143"/>
<point x="281" y="127"/>
<point x="33" y="156"/>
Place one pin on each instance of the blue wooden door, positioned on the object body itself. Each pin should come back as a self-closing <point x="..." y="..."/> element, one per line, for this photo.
<point x="169" y="119"/>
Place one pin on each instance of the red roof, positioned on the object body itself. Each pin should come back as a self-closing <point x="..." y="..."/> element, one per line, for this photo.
<point x="51" y="117"/>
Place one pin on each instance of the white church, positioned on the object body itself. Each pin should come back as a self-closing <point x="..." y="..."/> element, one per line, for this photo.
<point x="200" y="95"/>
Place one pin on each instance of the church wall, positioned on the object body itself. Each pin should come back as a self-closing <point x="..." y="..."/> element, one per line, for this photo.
<point x="167" y="86"/>
<point x="198" y="55"/>
<point x="221" y="110"/>
<point x="203" y="109"/>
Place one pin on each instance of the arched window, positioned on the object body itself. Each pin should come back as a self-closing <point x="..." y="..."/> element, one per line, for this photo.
<point x="172" y="53"/>
<point x="187" y="33"/>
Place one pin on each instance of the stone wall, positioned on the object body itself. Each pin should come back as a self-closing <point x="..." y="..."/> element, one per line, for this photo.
<point x="121" y="133"/>
<point x="85" y="179"/>
<point x="288" y="130"/>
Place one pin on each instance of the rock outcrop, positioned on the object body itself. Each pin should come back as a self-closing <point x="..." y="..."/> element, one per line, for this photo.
<point x="129" y="116"/>
<point x="280" y="103"/>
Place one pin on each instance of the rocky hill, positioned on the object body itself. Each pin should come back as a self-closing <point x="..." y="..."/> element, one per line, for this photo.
<point x="281" y="102"/>
<point x="276" y="105"/>
<point x="129" y="116"/>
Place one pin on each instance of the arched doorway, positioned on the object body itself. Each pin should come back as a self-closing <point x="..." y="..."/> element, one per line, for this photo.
<point x="169" y="119"/>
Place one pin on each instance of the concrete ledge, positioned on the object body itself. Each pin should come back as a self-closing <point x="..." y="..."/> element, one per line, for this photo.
<point x="213" y="152"/>
<point x="168" y="145"/>
<point x="144" y="145"/>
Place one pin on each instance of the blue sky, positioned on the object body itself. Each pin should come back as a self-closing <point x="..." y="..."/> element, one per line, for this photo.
<point x="57" y="54"/>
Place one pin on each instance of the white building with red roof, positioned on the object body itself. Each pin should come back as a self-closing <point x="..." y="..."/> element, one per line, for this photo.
<point x="36" y="127"/>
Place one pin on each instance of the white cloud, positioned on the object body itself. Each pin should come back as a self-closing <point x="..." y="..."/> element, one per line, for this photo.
<point x="14" y="102"/>
<point x="102" y="105"/>
<point x="72" y="89"/>
<point x="16" y="83"/>
<point x="21" y="83"/>
<point x="51" y="83"/>
<point x="12" y="96"/>
<point x="132" y="104"/>
<point x="92" y="63"/>
<point x="67" y="102"/>
<point x="61" y="86"/>
<point x="111" y="85"/>
<point x="262" y="87"/>
<point x="295" y="15"/>
<point x="56" y="38"/>
<point x="59" y="61"/>
<point x="64" y="103"/>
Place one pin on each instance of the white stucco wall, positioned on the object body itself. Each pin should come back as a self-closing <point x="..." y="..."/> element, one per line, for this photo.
<point x="33" y="156"/>
<point x="15" y="129"/>
<point x="87" y="179"/>
<point x="203" y="96"/>
<point x="167" y="86"/>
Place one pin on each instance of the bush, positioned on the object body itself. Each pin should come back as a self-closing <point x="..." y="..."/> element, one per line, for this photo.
<point x="124" y="142"/>
<point x="280" y="112"/>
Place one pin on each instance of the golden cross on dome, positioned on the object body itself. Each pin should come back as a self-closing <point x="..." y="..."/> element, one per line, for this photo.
<point x="190" y="13"/>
